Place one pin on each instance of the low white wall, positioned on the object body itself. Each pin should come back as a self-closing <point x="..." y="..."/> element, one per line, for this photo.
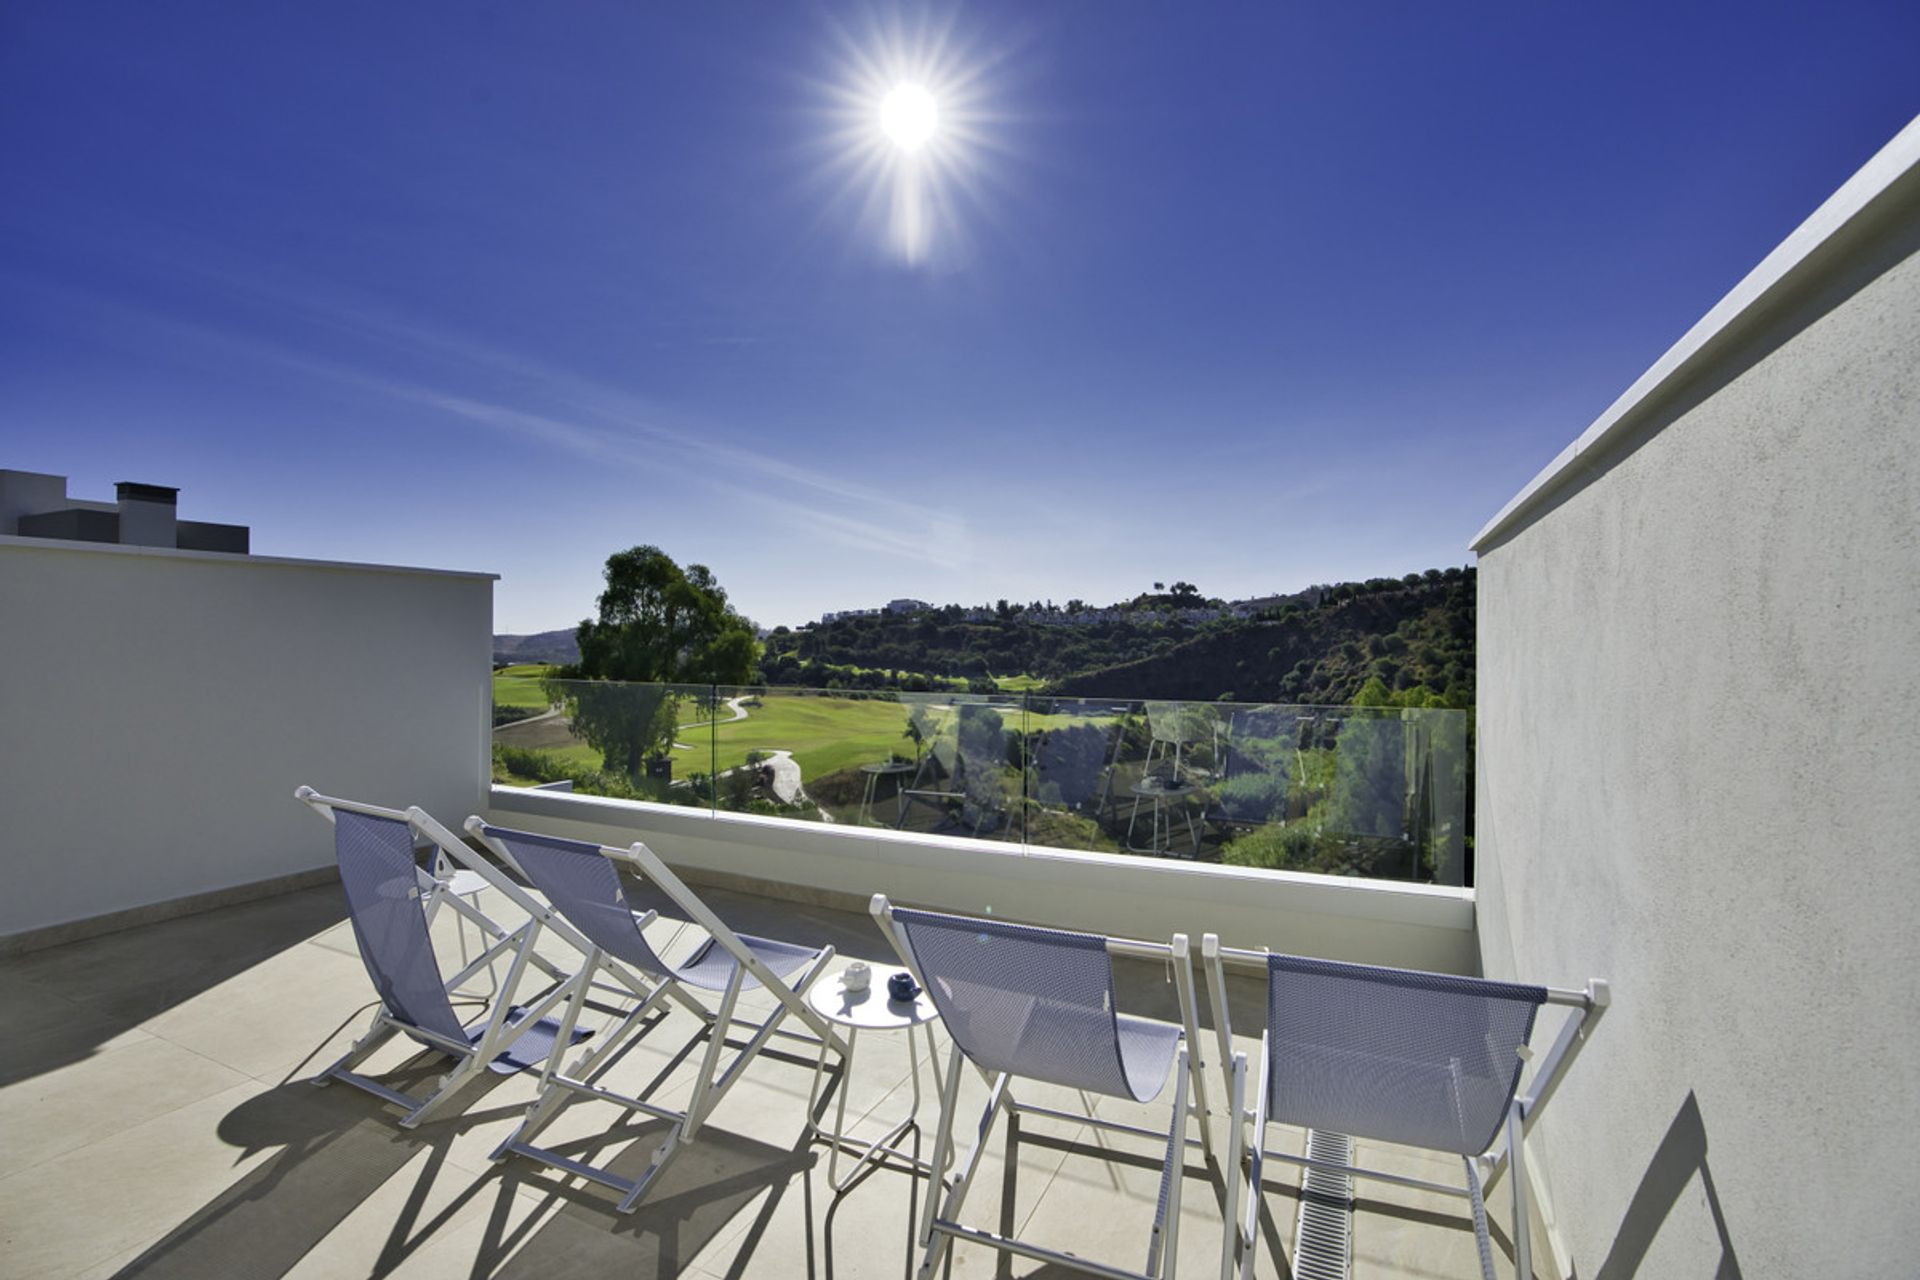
<point x="1370" y="921"/>
<point x="1699" y="771"/>
<point x="158" y="708"/>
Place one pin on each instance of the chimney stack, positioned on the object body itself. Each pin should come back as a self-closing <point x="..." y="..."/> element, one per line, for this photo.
<point x="148" y="514"/>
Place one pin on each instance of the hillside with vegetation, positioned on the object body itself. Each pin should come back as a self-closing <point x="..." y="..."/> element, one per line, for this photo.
<point x="1410" y="634"/>
<point x="1347" y="761"/>
<point x="1406" y="635"/>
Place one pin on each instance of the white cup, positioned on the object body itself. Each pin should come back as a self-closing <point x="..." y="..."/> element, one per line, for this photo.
<point x="857" y="976"/>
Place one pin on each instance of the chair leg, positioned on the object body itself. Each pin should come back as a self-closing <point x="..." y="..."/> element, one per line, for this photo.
<point x="1522" y="1219"/>
<point x="492" y="1040"/>
<point x="493" y="979"/>
<point x="942" y="1144"/>
<point x="1163" y="1253"/>
<point x="962" y="1184"/>
<point x="378" y="1032"/>
<point x="662" y="1156"/>
<point x="555" y="1093"/>
<point x="698" y="1104"/>
<point x="1256" y="1169"/>
<point x="938" y="1242"/>
<point x="1236" y="1127"/>
<point x="450" y="1084"/>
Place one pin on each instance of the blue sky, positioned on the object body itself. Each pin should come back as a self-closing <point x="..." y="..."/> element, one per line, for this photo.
<point x="1254" y="296"/>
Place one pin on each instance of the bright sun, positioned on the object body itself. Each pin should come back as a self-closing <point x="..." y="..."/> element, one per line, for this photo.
<point x="909" y="115"/>
<point x="916" y="130"/>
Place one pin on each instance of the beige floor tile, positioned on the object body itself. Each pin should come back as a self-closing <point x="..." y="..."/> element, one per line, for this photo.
<point x="290" y="1013"/>
<point x="117" y="1088"/>
<point x="807" y="1230"/>
<point x="429" y="1218"/>
<point x="108" y="1268"/>
<point x="45" y="1031"/>
<point x="80" y="1208"/>
<point x="132" y="974"/>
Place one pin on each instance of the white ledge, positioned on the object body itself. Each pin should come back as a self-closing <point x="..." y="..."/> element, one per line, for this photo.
<point x="1778" y="272"/>
<point x="1340" y="917"/>
<point x="82" y="546"/>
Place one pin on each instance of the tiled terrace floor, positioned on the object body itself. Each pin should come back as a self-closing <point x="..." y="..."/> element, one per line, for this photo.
<point x="158" y="1121"/>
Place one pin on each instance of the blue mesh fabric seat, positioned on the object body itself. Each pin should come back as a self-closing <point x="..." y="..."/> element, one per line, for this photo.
<point x="1027" y="1003"/>
<point x="382" y="884"/>
<point x="582" y="883"/>
<point x="390" y="901"/>
<point x="1037" y="1003"/>
<point x="585" y="887"/>
<point x="1425" y="1059"/>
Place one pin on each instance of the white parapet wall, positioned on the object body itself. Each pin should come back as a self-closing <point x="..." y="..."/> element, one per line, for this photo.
<point x="1699" y="770"/>
<point x="1369" y="921"/>
<point x="158" y="708"/>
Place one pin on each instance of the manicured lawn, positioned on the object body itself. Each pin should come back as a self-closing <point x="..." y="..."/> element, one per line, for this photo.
<point x="824" y="734"/>
<point x="519" y="686"/>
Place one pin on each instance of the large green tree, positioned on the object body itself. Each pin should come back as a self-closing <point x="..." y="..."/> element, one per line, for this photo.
<point x="658" y="625"/>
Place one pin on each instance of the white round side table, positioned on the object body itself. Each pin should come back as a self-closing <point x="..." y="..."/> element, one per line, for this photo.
<point x="869" y="1010"/>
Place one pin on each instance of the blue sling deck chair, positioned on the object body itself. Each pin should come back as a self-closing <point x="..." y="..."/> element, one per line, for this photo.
<point x="1425" y="1060"/>
<point x="391" y="901"/>
<point x="582" y="882"/>
<point x="1039" y="1004"/>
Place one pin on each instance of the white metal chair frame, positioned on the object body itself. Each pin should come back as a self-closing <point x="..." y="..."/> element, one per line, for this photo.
<point x="499" y="1034"/>
<point x="939" y="1224"/>
<point x="561" y="1087"/>
<point x="1242" y="1225"/>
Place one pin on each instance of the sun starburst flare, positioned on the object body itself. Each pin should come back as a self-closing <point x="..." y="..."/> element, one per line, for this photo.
<point x="912" y="131"/>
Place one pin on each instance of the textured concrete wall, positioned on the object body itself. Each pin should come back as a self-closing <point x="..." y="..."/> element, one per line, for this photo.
<point x="1699" y="777"/>
<point x="158" y="708"/>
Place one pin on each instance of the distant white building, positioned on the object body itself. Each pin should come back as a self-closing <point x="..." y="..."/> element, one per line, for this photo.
<point x="904" y="605"/>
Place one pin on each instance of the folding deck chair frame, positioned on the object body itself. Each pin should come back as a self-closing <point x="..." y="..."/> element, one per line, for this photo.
<point x="1481" y="1170"/>
<point x="939" y="1224"/>
<point x="560" y="1087"/>
<point x="501" y="1030"/>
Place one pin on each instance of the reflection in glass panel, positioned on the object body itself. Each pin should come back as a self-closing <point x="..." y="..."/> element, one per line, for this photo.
<point x="1074" y="747"/>
<point x="608" y="738"/>
<point x="967" y="768"/>
<point x="1368" y="791"/>
<point x="1260" y="759"/>
<point x="805" y="754"/>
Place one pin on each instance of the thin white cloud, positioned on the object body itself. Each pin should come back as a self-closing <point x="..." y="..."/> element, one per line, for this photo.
<point x="564" y="411"/>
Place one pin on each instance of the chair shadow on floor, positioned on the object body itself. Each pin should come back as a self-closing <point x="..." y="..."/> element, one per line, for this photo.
<point x="698" y="1197"/>
<point x="337" y="1147"/>
<point x="574" y="1229"/>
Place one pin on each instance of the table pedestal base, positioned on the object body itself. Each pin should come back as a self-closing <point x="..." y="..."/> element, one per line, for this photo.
<point x="884" y="1149"/>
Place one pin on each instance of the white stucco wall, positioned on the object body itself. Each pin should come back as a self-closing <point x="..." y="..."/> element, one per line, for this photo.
<point x="158" y="708"/>
<point x="1699" y="771"/>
